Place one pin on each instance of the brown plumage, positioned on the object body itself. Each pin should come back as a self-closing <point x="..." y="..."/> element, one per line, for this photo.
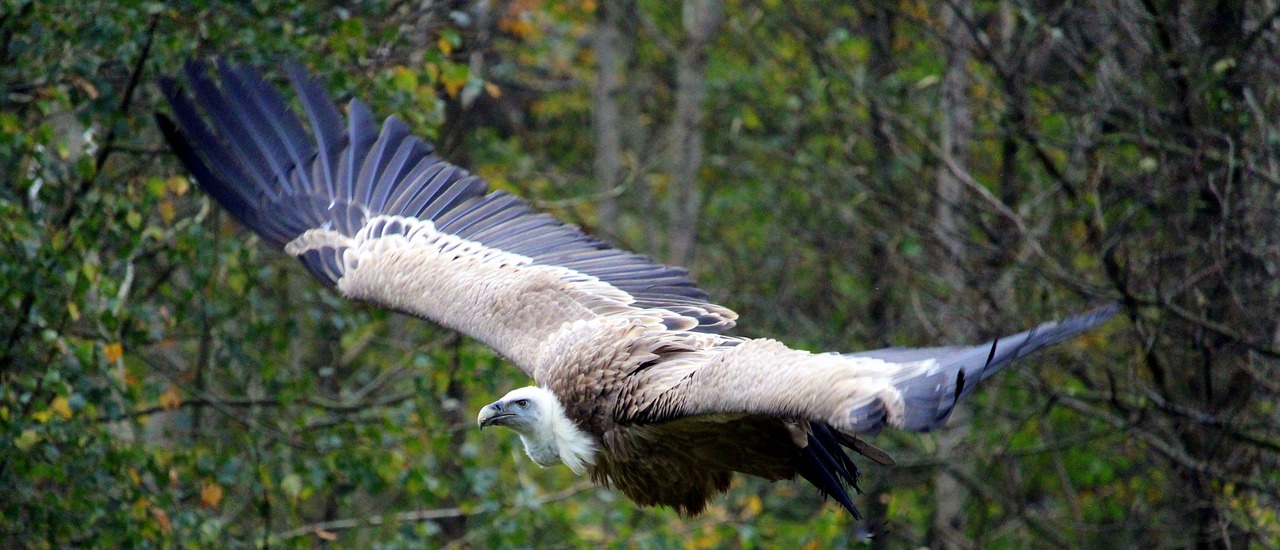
<point x="636" y="383"/>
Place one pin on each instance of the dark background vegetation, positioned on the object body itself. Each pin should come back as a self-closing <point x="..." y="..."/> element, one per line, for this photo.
<point x="844" y="175"/>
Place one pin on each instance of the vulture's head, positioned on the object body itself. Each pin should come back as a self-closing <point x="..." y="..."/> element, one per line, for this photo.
<point x="548" y="435"/>
<point x="524" y="410"/>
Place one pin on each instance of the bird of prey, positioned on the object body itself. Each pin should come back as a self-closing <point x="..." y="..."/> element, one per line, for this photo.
<point x="637" y="383"/>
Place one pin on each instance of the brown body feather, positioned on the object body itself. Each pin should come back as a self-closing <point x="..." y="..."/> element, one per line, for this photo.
<point x="685" y="463"/>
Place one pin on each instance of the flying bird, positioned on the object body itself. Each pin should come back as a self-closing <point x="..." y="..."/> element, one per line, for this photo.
<point x="636" y="381"/>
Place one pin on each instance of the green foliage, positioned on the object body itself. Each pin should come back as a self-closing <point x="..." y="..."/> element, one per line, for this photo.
<point x="165" y="380"/>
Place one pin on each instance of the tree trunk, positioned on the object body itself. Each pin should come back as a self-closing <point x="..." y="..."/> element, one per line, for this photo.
<point x="954" y="129"/>
<point x="882" y="27"/>
<point x="701" y="19"/>
<point x="612" y="49"/>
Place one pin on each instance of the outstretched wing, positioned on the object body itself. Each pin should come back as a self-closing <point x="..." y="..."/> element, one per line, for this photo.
<point x="911" y="389"/>
<point x="838" y="395"/>
<point x="383" y="219"/>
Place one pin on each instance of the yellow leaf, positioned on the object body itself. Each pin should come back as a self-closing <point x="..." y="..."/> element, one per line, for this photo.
<point x="178" y="185"/>
<point x="751" y="119"/>
<point x="113" y="352"/>
<point x="167" y="211"/>
<point x="444" y="45"/>
<point x="754" y="506"/>
<point x="156" y="186"/>
<point x="133" y="475"/>
<point x="62" y="406"/>
<point x="210" y="494"/>
<point x="73" y="310"/>
<point x="452" y="83"/>
<point x="171" y="399"/>
<point x="42" y="416"/>
<point x="403" y="79"/>
<point x="25" y="441"/>
<point x="493" y="89"/>
<point x="520" y="27"/>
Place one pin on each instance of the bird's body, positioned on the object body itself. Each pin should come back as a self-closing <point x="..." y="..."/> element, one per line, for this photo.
<point x="637" y="384"/>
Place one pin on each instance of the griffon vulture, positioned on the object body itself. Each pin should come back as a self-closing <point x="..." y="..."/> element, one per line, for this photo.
<point x="637" y="384"/>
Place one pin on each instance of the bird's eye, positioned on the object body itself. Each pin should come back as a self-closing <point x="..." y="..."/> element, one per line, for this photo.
<point x="523" y="403"/>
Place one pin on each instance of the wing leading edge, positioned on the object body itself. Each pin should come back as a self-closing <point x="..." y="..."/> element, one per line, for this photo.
<point x="345" y="196"/>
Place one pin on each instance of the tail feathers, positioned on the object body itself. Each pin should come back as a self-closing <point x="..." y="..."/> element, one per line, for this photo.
<point x="824" y="463"/>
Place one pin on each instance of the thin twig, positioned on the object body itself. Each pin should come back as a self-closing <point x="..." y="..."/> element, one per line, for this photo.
<point x="109" y="142"/>
<point x="324" y="528"/>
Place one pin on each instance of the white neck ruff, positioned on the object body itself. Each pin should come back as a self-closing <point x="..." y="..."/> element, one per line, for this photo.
<point x="556" y="439"/>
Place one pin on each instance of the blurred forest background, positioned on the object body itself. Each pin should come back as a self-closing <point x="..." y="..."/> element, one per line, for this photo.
<point x="844" y="175"/>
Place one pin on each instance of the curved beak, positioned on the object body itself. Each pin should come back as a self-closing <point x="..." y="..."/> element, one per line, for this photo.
<point x="493" y="414"/>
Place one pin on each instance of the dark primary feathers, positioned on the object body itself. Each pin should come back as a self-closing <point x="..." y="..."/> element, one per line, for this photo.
<point x="930" y="397"/>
